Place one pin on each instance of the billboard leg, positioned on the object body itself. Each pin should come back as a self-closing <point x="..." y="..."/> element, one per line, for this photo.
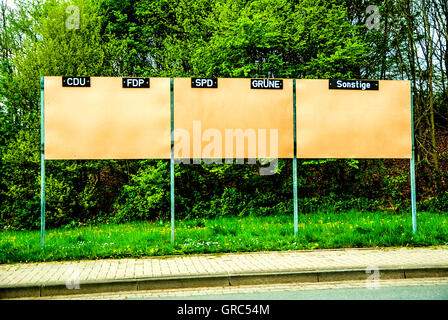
<point x="294" y="162"/>
<point x="413" y="197"/>
<point x="172" y="198"/>
<point x="172" y="159"/>
<point x="42" y="165"/>
<point x="412" y="168"/>
<point x="296" y="214"/>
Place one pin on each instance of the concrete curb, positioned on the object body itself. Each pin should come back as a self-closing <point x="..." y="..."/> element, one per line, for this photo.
<point x="53" y="289"/>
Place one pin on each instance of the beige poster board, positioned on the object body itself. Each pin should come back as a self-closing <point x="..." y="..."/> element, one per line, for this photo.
<point x="232" y="120"/>
<point x="106" y="121"/>
<point x="353" y="123"/>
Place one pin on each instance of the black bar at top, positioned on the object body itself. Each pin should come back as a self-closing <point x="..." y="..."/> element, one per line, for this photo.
<point x="204" y="83"/>
<point x="363" y="85"/>
<point x="276" y="84"/>
<point x="135" y="82"/>
<point x="76" y="81"/>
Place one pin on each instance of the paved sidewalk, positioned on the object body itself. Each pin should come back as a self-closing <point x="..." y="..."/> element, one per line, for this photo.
<point x="315" y="265"/>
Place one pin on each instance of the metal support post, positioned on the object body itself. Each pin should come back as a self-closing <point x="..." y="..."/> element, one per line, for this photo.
<point x="412" y="168"/>
<point x="172" y="159"/>
<point x="42" y="165"/>
<point x="294" y="165"/>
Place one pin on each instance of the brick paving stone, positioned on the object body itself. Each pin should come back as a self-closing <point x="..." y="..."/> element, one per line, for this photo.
<point x="231" y="263"/>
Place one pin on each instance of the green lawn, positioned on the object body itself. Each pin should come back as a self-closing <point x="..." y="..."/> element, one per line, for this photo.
<point x="232" y="234"/>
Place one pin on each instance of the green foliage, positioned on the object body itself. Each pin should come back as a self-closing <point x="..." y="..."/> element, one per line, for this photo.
<point x="436" y="204"/>
<point x="338" y="204"/>
<point x="20" y="181"/>
<point x="394" y="184"/>
<point x="264" y="38"/>
<point x="146" y="196"/>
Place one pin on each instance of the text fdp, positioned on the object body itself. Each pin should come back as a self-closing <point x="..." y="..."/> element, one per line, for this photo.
<point x="135" y="82"/>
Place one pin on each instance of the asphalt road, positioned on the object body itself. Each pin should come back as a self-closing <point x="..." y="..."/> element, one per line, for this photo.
<point x="383" y="293"/>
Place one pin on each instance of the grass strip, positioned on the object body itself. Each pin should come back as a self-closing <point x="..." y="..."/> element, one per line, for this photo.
<point x="225" y="234"/>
